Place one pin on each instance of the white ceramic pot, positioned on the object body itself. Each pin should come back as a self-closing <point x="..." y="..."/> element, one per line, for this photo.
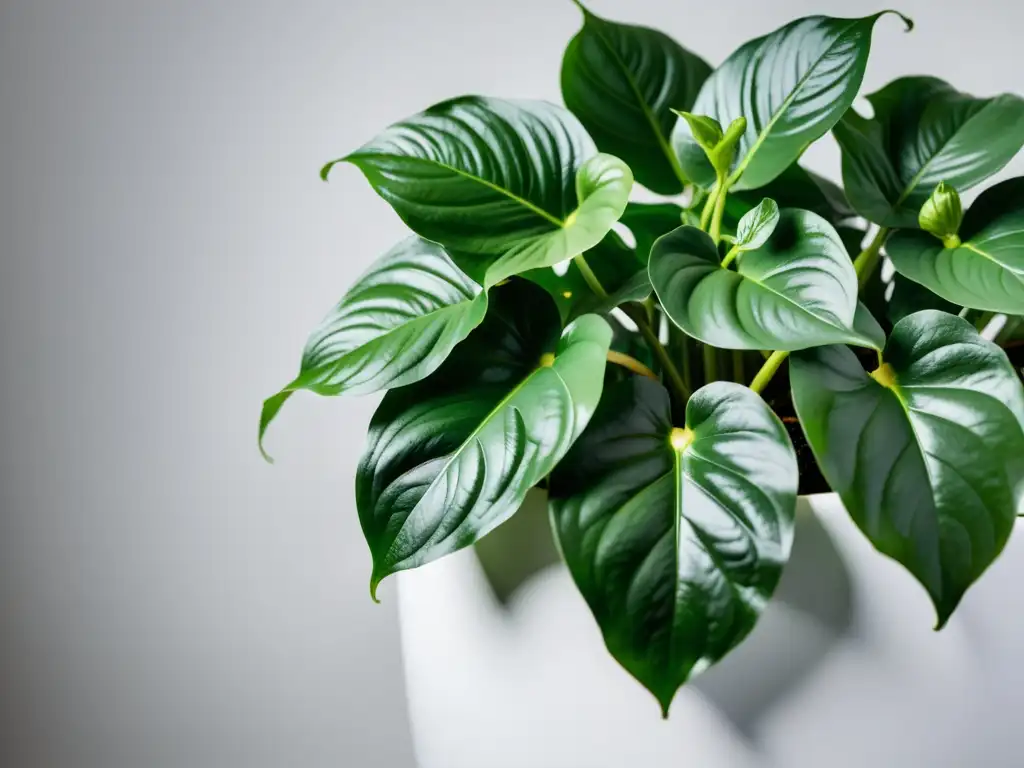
<point x="842" y="670"/>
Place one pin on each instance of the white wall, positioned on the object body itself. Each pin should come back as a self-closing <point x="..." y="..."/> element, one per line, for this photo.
<point x="168" y="600"/>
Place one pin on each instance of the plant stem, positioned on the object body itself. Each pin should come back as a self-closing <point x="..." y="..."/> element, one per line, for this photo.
<point x="710" y="364"/>
<point x="631" y="363"/>
<point x="768" y="370"/>
<point x="589" y="277"/>
<point x="716" y="217"/>
<point x="709" y="206"/>
<point x="732" y="254"/>
<point x="671" y="372"/>
<point x="868" y="259"/>
<point x="737" y="366"/>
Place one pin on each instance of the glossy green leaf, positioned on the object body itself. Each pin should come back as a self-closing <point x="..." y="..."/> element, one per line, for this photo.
<point x="395" y="326"/>
<point x="757" y="225"/>
<point x="909" y="297"/>
<point x="927" y="453"/>
<point x="986" y="271"/>
<point x="453" y="456"/>
<point x="795" y="187"/>
<point x="792" y="86"/>
<point x="798" y="290"/>
<point x="506" y="186"/>
<point x="924" y="132"/>
<point x="676" y="536"/>
<point x="621" y="81"/>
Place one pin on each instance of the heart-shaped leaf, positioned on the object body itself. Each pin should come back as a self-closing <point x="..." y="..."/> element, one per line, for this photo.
<point x="622" y="82"/>
<point x="799" y="290"/>
<point x="395" y="326"/>
<point x="756" y="226"/>
<point x="792" y="86"/>
<point x="676" y="536"/>
<point x="505" y="186"/>
<point x="927" y="453"/>
<point x="795" y="187"/>
<point x="453" y="456"/>
<point x="986" y="271"/>
<point x="924" y="132"/>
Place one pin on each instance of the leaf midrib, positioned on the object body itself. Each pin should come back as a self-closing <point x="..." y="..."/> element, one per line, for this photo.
<point x="644" y="107"/>
<point x="551" y="219"/>
<point x="762" y="136"/>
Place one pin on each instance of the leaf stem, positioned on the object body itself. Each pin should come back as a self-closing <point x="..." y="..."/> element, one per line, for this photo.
<point x="716" y="217"/>
<point x="867" y="260"/>
<point x="768" y="371"/>
<point x="709" y="207"/>
<point x="639" y="317"/>
<point x="589" y="277"/>
<point x="732" y="254"/>
<point x="630" y="363"/>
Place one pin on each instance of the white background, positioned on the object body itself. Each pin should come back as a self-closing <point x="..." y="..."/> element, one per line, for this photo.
<point x="168" y="600"/>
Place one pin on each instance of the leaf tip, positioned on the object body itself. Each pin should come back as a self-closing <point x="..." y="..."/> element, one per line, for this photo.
<point x="271" y="406"/>
<point x="375" y="581"/>
<point x="907" y="21"/>
<point x="326" y="170"/>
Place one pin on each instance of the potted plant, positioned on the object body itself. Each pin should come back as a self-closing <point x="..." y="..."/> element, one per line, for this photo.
<point x="668" y="378"/>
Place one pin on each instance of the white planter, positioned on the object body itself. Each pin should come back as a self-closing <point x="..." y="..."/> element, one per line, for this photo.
<point x="842" y="652"/>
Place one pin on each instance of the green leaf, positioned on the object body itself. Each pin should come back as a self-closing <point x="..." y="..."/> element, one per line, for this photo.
<point x="618" y="269"/>
<point x="395" y="326"/>
<point x="757" y="226"/>
<point x="622" y="81"/>
<point x="798" y="290"/>
<point x="795" y="187"/>
<point x="676" y="536"/>
<point x="924" y="132"/>
<point x="453" y="456"/>
<point x="649" y="221"/>
<point x="909" y="297"/>
<point x="927" y="453"/>
<point x="508" y="183"/>
<point x="986" y="271"/>
<point x="792" y="86"/>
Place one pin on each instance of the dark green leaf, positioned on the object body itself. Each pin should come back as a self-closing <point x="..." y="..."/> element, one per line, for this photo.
<point x="622" y="81"/>
<point x="453" y="456"/>
<point x="799" y="290"/>
<point x="792" y="86"/>
<point x="986" y="271"/>
<point x="676" y="537"/>
<point x="395" y="326"/>
<point x="617" y="268"/>
<point x="649" y="221"/>
<point x="924" y="132"/>
<point x="927" y="453"/>
<point x="509" y="181"/>
<point x="909" y="297"/>
<point x="796" y="187"/>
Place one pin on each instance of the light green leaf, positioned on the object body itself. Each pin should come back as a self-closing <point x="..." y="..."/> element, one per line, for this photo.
<point x="924" y="132"/>
<point x="676" y="536"/>
<point x="986" y="271"/>
<point x="621" y="81"/>
<point x="927" y="453"/>
<point x="505" y="186"/>
<point x="395" y="326"/>
<point x="453" y="456"/>
<point x="799" y="290"/>
<point x="792" y="86"/>
<point x="757" y="226"/>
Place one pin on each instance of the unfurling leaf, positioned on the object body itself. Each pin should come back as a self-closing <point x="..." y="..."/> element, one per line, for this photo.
<point x="927" y="453"/>
<point x="621" y="81"/>
<point x="984" y="268"/>
<point x="676" y="536"/>
<point x="792" y="86"/>
<point x="942" y="214"/>
<point x="453" y="456"/>
<point x="757" y="225"/>
<point x="923" y="132"/>
<point x="798" y="290"/>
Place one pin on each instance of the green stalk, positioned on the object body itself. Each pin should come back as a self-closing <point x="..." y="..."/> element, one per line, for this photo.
<point x="867" y="261"/>
<point x="709" y="207"/>
<point x="716" y="217"/>
<point x="768" y="371"/>
<point x="589" y="277"/>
